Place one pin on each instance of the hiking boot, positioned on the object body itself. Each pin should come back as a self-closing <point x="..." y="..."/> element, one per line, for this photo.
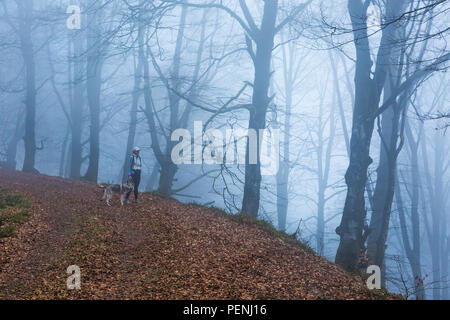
<point x="127" y="202"/>
<point x="137" y="200"/>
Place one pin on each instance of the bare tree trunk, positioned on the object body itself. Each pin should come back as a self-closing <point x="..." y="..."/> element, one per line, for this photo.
<point x="25" y="8"/>
<point x="352" y="224"/>
<point x="434" y="187"/>
<point x="62" y="162"/>
<point x="68" y="164"/>
<point x="168" y="168"/>
<point x="324" y="162"/>
<point x="166" y="177"/>
<point x="95" y="56"/>
<point x="437" y="213"/>
<point x="133" y="112"/>
<point x="282" y="195"/>
<point x="260" y="101"/>
<point x="367" y="97"/>
<point x="343" y="118"/>
<point x="412" y="252"/>
<point x="439" y="217"/>
<point x="384" y="188"/>
<point x="11" y="151"/>
<point x="391" y="130"/>
<point x="76" y="111"/>
<point x="290" y="71"/>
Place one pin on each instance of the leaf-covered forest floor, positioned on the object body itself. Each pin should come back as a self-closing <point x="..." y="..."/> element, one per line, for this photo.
<point x="157" y="249"/>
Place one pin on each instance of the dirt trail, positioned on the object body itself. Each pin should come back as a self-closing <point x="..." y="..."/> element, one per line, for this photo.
<point x="157" y="249"/>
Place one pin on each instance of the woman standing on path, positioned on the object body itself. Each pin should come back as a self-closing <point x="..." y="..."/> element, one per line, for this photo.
<point x="135" y="173"/>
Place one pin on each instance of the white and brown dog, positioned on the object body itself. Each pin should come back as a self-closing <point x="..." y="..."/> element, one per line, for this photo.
<point x="122" y="189"/>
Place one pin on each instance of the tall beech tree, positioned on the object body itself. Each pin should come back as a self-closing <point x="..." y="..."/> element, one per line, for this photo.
<point x="369" y="86"/>
<point x="26" y="22"/>
<point x="95" y="61"/>
<point x="260" y="45"/>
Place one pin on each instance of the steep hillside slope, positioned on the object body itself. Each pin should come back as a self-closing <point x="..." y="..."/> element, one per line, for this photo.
<point x="158" y="249"/>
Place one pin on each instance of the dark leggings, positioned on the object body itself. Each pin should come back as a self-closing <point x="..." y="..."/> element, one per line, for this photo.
<point x="136" y="181"/>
